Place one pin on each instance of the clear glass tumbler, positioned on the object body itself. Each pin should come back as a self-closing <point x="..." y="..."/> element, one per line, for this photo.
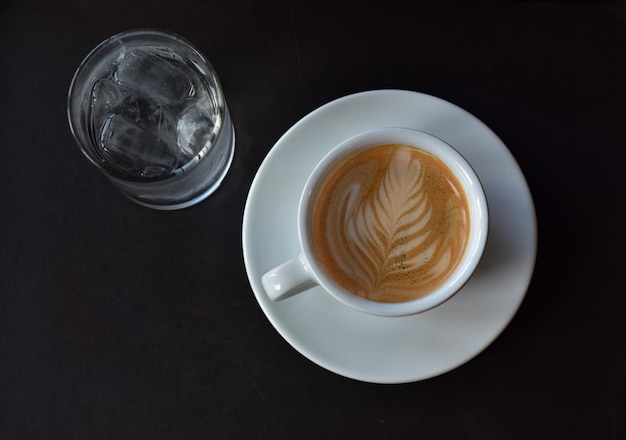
<point x="148" y="110"/>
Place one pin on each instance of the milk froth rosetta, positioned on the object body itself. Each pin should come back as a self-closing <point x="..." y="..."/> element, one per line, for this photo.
<point x="389" y="223"/>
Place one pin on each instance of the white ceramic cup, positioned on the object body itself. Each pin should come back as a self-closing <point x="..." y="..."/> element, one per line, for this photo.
<point x="303" y="271"/>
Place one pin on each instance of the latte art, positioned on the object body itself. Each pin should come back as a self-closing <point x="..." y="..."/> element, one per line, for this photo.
<point x="389" y="223"/>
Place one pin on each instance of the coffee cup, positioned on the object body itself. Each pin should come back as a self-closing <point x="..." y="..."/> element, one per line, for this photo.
<point x="391" y="222"/>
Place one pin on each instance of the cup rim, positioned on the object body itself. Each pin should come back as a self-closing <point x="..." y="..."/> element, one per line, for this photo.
<point x="478" y="213"/>
<point x="75" y="114"/>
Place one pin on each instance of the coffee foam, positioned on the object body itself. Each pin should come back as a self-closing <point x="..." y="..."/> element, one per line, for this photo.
<point x="389" y="223"/>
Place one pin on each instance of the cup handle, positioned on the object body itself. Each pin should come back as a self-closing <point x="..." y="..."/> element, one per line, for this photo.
<point x="288" y="279"/>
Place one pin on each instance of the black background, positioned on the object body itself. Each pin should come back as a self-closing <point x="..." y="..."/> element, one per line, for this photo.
<point x="120" y="322"/>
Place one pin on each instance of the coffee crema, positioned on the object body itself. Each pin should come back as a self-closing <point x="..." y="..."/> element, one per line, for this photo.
<point x="389" y="223"/>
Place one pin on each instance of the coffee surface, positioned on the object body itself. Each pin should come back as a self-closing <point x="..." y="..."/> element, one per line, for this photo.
<point x="389" y="223"/>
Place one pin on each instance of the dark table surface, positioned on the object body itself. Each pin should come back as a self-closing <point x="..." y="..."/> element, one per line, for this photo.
<point x="120" y="322"/>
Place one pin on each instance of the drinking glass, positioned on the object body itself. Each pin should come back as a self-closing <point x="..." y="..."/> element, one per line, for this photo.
<point x="147" y="109"/>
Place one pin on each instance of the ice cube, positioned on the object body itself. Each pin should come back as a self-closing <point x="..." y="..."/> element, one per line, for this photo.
<point x="106" y="97"/>
<point x="151" y="73"/>
<point x="136" y="150"/>
<point x="195" y="129"/>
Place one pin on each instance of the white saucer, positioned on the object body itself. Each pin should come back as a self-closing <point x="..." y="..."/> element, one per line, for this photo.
<point x="379" y="349"/>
